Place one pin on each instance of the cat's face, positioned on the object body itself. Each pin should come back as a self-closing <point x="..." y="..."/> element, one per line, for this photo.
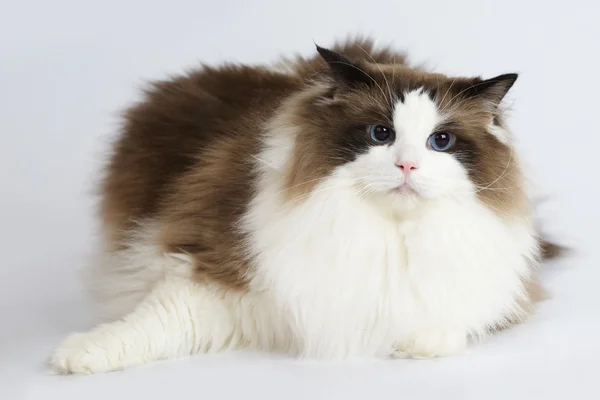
<point x="405" y="138"/>
<point x="415" y="157"/>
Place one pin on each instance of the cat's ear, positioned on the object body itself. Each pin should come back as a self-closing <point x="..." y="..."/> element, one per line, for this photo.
<point x="492" y="90"/>
<point x="342" y="69"/>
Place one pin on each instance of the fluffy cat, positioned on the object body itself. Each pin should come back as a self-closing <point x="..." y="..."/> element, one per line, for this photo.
<point x="341" y="206"/>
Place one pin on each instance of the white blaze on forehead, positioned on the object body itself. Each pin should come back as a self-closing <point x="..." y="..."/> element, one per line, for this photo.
<point x="415" y="117"/>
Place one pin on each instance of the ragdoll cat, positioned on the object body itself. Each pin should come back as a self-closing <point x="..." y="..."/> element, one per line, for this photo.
<point x="341" y="206"/>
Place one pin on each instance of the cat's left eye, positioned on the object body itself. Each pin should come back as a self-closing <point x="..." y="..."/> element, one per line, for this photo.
<point x="441" y="141"/>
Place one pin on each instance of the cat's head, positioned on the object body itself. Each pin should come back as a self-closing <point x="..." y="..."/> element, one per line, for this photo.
<point x="404" y="137"/>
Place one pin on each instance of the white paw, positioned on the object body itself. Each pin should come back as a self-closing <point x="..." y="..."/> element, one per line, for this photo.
<point x="431" y="344"/>
<point x="88" y="353"/>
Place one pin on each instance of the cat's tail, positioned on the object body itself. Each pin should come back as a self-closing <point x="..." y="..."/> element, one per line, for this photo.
<point x="552" y="251"/>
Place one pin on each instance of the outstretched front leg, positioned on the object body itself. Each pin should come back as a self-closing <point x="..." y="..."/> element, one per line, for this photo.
<point x="178" y="318"/>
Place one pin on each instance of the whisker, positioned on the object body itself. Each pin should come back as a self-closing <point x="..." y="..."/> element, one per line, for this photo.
<point x="323" y="189"/>
<point x="480" y="201"/>
<point x="364" y="72"/>
<point x="483" y="186"/>
<point x="468" y="88"/>
<point x="447" y="91"/>
<point x="494" y="208"/>
<point x="394" y="80"/>
<point x="268" y="164"/>
<point x="298" y="185"/>
<point x="505" y="169"/>
<point x="310" y="193"/>
<point x="380" y="70"/>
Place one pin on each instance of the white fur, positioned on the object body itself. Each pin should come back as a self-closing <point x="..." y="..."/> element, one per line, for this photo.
<point x="438" y="174"/>
<point x="362" y="271"/>
<point x="173" y="316"/>
<point x="353" y="270"/>
<point x="177" y="318"/>
<point x="119" y="280"/>
<point x="500" y="133"/>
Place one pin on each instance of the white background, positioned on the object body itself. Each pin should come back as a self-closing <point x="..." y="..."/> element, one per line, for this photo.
<point x="68" y="67"/>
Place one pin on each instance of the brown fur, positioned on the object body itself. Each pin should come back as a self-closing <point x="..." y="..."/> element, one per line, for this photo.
<point x="185" y="158"/>
<point x="347" y="114"/>
<point x="359" y="48"/>
<point x="186" y="153"/>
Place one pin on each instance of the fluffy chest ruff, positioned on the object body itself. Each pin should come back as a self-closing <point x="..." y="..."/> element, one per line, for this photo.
<point x="351" y="281"/>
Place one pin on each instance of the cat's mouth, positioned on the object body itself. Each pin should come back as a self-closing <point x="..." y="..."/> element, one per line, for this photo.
<point x="405" y="189"/>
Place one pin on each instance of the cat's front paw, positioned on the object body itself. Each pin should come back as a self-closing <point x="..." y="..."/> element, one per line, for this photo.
<point x="88" y="353"/>
<point x="431" y="344"/>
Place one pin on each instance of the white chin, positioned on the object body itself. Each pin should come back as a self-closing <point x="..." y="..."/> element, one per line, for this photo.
<point x="402" y="201"/>
<point x="405" y="190"/>
<point x="407" y="203"/>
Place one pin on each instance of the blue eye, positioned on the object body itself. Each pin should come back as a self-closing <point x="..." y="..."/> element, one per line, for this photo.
<point x="441" y="141"/>
<point x="381" y="134"/>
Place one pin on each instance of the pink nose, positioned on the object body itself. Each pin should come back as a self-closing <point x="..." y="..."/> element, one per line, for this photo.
<point x="406" y="167"/>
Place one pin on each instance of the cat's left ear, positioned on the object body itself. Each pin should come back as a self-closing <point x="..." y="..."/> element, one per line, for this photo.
<point x="342" y="69"/>
<point x="492" y="90"/>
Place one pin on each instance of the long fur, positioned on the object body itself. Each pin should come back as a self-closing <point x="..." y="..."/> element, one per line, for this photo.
<point x="249" y="207"/>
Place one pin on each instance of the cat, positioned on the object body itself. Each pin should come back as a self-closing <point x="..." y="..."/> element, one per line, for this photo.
<point x="345" y="205"/>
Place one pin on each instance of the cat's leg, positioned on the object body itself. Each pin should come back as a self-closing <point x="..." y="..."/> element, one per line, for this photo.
<point x="177" y="318"/>
<point x="431" y="343"/>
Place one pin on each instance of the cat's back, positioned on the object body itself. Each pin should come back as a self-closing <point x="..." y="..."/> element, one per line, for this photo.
<point x="181" y="124"/>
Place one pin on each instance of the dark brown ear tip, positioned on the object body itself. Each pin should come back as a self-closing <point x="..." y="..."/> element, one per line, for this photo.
<point x="510" y="79"/>
<point x="328" y="55"/>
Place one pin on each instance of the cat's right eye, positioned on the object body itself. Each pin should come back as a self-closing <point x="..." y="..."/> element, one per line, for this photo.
<point x="381" y="134"/>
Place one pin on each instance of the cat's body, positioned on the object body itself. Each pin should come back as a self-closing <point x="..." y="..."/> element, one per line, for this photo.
<point x="255" y="207"/>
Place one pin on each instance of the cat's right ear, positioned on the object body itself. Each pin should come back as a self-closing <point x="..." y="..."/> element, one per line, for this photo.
<point x="344" y="70"/>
